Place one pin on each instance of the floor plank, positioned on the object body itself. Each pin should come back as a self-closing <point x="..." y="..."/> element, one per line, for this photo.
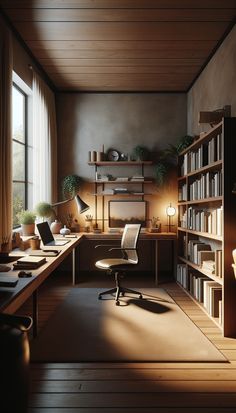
<point x="134" y="387"/>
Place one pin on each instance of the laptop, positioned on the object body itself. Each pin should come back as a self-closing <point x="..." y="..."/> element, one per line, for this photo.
<point x="47" y="237"/>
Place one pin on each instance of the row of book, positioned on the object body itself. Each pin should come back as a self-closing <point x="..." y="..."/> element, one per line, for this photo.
<point x="206" y="154"/>
<point x="206" y="291"/>
<point x="206" y="186"/>
<point x="182" y="193"/>
<point x="203" y="220"/>
<point x="199" y="253"/>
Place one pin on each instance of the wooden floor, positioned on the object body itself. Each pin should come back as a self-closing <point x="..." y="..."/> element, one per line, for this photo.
<point x="135" y="387"/>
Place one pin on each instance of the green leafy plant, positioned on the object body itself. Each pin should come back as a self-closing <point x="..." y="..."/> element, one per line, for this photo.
<point x="141" y="152"/>
<point x="168" y="158"/>
<point x="70" y="186"/>
<point x="26" y="217"/>
<point x="44" y="210"/>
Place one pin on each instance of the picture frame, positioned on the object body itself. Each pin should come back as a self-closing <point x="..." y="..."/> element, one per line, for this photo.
<point x="121" y="213"/>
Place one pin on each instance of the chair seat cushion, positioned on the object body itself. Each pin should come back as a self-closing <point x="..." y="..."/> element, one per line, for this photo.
<point x="112" y="262"/>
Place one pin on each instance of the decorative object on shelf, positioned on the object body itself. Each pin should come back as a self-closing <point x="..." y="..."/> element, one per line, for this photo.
<point x="89" y="223"/>
<point x="215" y="116"/>
<point x="123" y="157"/>
<point x="56" y="226"/>
<point x="141" y="153"/>
<point x="27" y="220"/>
<point x="170" y="212"/>
<point x="44" y="210"/>
<point x="113" y="155"/>
<point x="155" y="225"/>
<point x="64" y="231"/>
<point x="70" y="186"/>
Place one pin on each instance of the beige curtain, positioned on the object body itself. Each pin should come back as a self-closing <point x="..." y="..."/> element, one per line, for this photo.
<point x="6" y="66"/>
<point x="44" y="143"/>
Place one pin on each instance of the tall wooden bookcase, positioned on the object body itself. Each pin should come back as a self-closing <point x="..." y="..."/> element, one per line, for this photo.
<point x="207" y="172"/>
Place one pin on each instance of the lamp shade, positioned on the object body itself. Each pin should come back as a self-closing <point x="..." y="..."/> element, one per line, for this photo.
<point x="81" y="205"/>
<point x="170" y="211"/>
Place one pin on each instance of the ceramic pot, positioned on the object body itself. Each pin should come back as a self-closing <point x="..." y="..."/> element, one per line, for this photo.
<point x="56" y="226"/>
<point x="27" y="229"/>
<point x="65" y="231"/>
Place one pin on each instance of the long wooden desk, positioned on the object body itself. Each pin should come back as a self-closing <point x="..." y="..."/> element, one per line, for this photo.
<point x="11" y="299"/>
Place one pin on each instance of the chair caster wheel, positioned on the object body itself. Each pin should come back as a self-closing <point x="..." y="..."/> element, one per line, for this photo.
<point x="140" y="296"/>
<point x="99" y="297"/>
<point x="122" y="294"/>
<point x="117" y="302"/>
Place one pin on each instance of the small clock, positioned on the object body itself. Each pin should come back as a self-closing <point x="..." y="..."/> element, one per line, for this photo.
<point x="113" y="155"/>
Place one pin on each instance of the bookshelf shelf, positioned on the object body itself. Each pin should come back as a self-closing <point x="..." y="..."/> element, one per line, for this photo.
<point x="135" y="187"/>
<point x="214" y="319"/>
<point x="207" y="222"/>
<point x="202" y="234"/>
<point x="201" y="270"/>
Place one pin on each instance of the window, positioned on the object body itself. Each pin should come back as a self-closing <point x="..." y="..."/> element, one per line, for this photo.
<point x="21" y="146"/>
<point x="19" y="151"/>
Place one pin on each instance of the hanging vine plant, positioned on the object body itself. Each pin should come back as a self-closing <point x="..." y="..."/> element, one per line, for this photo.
<point x="70" y="186"/>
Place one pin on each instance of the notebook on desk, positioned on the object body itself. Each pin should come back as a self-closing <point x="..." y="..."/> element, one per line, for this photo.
<point x="47" y="237"/>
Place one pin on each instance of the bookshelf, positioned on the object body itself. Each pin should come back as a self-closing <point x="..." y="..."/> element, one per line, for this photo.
<point x="132" y="188"/>
<point x="207" y="223"/>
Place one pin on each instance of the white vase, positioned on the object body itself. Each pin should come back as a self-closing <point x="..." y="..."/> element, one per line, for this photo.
<point x="56" y="226"/>
<point x="65" y="231"/>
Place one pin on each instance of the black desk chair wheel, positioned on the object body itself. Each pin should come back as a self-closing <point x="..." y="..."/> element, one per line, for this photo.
<point x="118" y="266"/>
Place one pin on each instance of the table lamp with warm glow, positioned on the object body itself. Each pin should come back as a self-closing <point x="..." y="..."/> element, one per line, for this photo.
<point x="170" y="212"/>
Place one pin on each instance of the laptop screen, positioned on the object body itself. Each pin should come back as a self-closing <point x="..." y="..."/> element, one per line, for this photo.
<point x="45" y="232"/>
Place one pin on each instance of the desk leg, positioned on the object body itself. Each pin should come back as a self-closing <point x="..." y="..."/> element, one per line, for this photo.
<point x="35" y="313"/>
<point x="156" y="262"/>
<point x="73" y="266"/>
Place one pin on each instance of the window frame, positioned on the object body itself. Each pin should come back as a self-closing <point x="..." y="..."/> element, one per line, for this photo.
<point x="25" y="145"/>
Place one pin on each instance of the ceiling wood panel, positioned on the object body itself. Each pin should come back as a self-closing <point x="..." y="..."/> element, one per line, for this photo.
<point x="120" y="15"/>
<point x="110" y="4"/>
<point x="122" y="54"/>
<point x="121" y="31"/>
<point x="121" y="45"/>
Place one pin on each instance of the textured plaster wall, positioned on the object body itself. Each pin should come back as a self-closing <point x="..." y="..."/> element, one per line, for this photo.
<point x="88" y="121"/>
<point x="216" y="86"/>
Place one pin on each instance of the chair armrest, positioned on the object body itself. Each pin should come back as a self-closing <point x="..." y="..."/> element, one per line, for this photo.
<point x="103" y="245"/>
<point x="122" y="249"/>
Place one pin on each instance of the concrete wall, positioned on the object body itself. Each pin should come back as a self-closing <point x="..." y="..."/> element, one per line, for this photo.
<point x="87" y="121"/>
<point x="216" y="86"/>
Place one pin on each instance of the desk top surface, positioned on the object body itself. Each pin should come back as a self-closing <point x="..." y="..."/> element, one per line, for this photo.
<point x="12" y="298"/>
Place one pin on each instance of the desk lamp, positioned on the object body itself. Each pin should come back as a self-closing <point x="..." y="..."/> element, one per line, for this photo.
<point x="81" y="205"/>
<point x="170" y="212"/>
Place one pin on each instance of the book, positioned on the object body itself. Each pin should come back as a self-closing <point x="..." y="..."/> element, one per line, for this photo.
<point x="29" y="262"/>
<point x="7" y="280"/>
<point x="44" y="253"/>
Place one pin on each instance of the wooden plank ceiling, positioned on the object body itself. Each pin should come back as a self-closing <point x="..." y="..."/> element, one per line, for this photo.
<point x="121" y="45"/>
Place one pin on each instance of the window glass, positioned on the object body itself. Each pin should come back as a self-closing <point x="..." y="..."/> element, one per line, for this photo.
<point x="19" y="152"/>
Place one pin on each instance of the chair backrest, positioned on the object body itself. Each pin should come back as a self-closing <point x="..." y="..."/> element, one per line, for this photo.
<point x="129" y="240"/>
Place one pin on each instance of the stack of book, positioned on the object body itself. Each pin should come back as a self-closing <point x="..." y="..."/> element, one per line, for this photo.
<point x="137" y="178"/>
<point x="29" y="263"/>
<point x="209" y="266"/>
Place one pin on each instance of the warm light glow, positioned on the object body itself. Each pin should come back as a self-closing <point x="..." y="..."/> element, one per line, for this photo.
<point x="170" y="211"/>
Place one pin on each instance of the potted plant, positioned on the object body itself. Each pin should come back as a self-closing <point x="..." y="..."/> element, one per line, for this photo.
<point x="168" y="157"/>
<point x="70" y="186"/>
<point x="27" y="220"/>
<point x="141" y="153"/>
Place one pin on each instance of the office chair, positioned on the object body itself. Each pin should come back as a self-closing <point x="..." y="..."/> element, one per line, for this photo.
<point x="117" y="266"/>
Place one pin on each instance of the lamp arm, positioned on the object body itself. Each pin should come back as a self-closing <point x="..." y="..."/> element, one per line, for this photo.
<point x="63" y="202"/>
